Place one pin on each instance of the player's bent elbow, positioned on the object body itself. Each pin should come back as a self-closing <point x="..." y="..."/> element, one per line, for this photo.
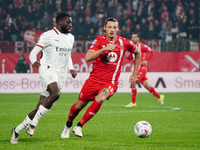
<point x="87" y="59"/>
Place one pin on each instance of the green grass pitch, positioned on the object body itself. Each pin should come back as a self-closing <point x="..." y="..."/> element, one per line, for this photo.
<point x="176" y="126"/>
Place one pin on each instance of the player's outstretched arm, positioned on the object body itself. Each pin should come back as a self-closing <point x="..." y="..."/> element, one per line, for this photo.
<point x="133" y="76"/>
<point x="33" y="57"/>
<point x="92" y="54"/>
<point x="71" y="68"/>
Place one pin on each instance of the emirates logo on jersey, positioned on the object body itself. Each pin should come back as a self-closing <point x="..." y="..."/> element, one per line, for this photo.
<point x="112" y="56"/>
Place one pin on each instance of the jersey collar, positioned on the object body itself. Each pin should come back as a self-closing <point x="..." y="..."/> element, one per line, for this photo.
<point x="111" y="41"/>
<point x="56" y="30"/>
<point x="139" y="43"/>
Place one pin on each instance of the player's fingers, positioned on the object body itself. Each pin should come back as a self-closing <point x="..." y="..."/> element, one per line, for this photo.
<point x="33" y="65"/>
<point x="37" y="64"/>
<point x="74" y="75"/>
<point x="129" y="81"/>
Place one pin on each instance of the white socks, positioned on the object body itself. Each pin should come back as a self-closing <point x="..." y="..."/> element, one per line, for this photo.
<point x="23" y="125"/>
<point x="40" y="113"/>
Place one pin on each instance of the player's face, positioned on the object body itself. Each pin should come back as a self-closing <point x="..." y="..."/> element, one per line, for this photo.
<point x="134" y="38"/>
<point x="66" y="25"/>
<point x="111" y="29"/>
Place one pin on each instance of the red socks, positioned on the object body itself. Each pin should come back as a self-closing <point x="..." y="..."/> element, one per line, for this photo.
<point x="91" y="111"/>
<point x="133" y="94"/>
<point x="152" y="90"/>
<point x="73" y="113"/>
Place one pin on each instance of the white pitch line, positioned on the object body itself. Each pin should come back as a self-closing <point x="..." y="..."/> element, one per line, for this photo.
<point x="129" y="110"/>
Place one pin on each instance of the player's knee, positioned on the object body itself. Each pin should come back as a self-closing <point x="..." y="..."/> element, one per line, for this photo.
<point x="55" y="95"/>
<point x="79" y="107"/>
<point x="100" y="99"/>
<point x="102" y="96"/>
<point x="146" y="86"/>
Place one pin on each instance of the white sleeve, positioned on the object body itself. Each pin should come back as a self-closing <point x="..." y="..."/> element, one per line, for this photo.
<point x="33" y="54"/>
<point x="70" y="66"/>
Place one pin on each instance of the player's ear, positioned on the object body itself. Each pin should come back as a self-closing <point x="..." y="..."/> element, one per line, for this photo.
<point x="60" y="22"/>
<point x="118" y="29"/>
<point x="104" y="27"/>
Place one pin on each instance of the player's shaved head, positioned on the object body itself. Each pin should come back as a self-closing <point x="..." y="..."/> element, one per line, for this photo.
<point x="62" y="16"/>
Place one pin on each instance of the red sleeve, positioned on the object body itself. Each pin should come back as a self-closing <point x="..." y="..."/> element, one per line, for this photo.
<point x="130" y="56"/>
<point x="147" y="49"/>
<point x="150" y="55"/>
<point x="95" y="44"/>
<point x="131" y="47"/>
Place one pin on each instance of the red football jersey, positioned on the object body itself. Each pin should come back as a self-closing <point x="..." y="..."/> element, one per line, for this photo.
<point x="146" y="52"/>
<point x="107" y="66"/>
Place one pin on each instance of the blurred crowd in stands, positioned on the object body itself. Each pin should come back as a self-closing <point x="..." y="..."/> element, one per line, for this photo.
<point x="153" y="19"/>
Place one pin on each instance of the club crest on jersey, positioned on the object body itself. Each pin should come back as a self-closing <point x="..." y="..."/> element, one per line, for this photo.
<point x="112" y="56"/>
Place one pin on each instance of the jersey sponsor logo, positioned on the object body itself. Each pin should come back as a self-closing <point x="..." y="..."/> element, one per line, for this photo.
<point x="63" y="49"/>
<point x="145" y="46"/>
<point x="112" y="56"/>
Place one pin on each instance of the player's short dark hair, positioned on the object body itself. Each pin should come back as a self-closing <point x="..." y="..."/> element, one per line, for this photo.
<point x="61" y="16"/>
<point x="111" y="19"/>
<point x="138" y="35"/>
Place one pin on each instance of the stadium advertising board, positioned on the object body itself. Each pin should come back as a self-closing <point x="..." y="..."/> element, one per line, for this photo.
<point x="162" y="81"/>
<point x="160" y="62"/>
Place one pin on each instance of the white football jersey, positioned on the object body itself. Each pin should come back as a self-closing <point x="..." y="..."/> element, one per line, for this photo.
<point x="56" y="49"/>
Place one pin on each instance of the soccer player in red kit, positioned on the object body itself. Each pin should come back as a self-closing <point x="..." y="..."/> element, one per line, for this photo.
<point x="107" y="53"/>
<point x="146" y="54"/>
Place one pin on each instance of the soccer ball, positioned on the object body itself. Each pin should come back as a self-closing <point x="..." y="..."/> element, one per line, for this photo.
<point x="142" y="129"/>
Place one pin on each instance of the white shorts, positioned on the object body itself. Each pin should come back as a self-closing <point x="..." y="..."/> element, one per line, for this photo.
<point x="49" y="75"/>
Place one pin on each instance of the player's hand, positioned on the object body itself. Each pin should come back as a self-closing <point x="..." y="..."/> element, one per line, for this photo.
<point x="132" y="80"/>
<point x="110" y="47"/>
<point x="127" y="53"/>
<point x="144" y="62"/>
<point x="73" y="73"/>
<point x="36" y="64"/>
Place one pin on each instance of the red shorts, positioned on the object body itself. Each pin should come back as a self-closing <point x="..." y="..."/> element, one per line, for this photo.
<point x="92" y="88"/>
<point x="141" y="76"/>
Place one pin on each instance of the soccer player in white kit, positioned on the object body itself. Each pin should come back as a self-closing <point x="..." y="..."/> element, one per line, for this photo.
<point x="55" y="62"/>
